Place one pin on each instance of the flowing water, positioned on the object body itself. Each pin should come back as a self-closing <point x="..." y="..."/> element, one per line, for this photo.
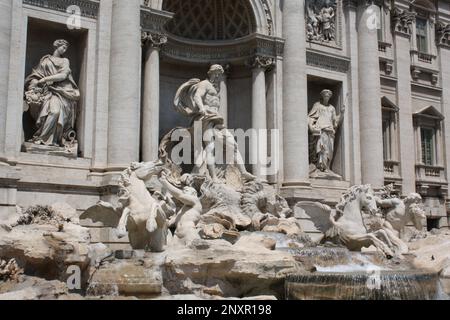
<point x="375" y="285"/>
<point x="338" y="274"/>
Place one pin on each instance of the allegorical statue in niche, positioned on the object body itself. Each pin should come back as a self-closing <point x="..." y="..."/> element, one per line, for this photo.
<point x="200" y="101"/>
<point x="52" y="96"/>
<point x="323" y="123"/>
<point x="321" y="20"/>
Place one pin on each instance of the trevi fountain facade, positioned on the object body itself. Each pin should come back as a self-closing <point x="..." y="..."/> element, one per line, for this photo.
<point x="224" y="149"/>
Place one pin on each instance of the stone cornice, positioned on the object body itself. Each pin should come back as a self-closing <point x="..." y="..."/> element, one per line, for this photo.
<point x="238" y="51"/>
<point x="89" y="8"/>
<point x="154" y="20"/>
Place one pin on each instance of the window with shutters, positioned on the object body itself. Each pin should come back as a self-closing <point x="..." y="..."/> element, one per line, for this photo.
<point x="428" y="146"/>
<point x="422" y="35"/>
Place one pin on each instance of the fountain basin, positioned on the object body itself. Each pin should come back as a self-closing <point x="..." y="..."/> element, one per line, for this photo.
<point x="372" y="285"/>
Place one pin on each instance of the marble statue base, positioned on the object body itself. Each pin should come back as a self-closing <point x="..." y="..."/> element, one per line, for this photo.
<point x="328" y="174"/>
<point x="69" y="152"/>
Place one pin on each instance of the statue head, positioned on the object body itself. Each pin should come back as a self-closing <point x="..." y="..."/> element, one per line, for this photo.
<point x="413" y="198"/>
<point x="61" y="46"/>
<point x="326" y="96"/>
<point x="215" y="72"/>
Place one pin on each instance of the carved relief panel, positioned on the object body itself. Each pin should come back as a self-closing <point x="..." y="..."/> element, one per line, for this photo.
<point x="323" y="22"/>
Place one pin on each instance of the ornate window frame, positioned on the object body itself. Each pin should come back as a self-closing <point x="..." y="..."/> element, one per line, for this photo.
<point x="390" y="140"/>
<point x="429" y="175"/>
<point x="425" y="11"/>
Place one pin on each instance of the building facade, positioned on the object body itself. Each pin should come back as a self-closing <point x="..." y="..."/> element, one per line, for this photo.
<point x="387" y="64"/>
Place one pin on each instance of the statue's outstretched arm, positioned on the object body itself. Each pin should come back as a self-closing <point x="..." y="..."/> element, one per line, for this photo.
<point x="177" y="193"/>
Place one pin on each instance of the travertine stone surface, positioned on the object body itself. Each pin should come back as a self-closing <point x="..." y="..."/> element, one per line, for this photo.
<point x="407" y="156"/>
<point x="295" y="102"/>
<point x="5" y="47"/>
<point x="259" y="119"/>
<point x="124" y="84"/>
<point x="369" y="101"/>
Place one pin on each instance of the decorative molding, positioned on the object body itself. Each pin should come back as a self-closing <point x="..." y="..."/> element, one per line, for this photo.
<point x="388" y="65"/>
<point x="154" y="20"/>
<point x="89" y="9"/>
<point x="402" y="21"/>
<point x="228" y="51"/>
<point x="269" y="18"/>
<point x="443" y="34"/>
<point x="153" y="40"/>
<point x="328" y="62"/>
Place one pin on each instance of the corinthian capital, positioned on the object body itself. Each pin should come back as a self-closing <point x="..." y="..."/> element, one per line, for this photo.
<point x="154" y="40"/>
<point x="261" y="62"/>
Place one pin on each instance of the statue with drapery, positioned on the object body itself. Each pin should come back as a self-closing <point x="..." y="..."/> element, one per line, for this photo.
<point x="52" y="96"/>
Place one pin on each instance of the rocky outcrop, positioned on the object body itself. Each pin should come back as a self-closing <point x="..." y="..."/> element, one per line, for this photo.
<point x="433" y="252"/>
<point x="31" y="288"/>
<point x="227" y="271"/>
<point x="45" y="250"/>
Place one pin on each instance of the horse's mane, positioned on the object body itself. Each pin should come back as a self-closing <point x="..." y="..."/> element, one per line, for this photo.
<point x="350" y="195"/>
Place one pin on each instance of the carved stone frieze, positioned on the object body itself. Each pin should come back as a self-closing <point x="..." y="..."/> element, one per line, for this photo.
<point x="89" y="9"/>
<point x="234" y="51"/>
<point x="327" y="62"/>
<point x="323" y="21"/>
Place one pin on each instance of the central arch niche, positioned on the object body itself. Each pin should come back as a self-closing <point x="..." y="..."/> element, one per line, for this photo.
<point x="210" y="20"/>
<point x="203" y="32"/>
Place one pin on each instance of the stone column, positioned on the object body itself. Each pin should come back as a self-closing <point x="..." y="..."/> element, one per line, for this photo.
<point x="259" y="116"/>
<point x="352" y="112"/>
<point x="5" y="47"/>
<point x="406" y="129"/>
<point x="295" y="96"/>
<point x="150" y="107"/>
<point x="371" y="132"/>
<point x="124" y="85"/>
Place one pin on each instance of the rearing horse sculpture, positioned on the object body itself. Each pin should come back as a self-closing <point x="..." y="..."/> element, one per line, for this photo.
<point x="142" y="215"/>
<point x="350" y="230"/>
